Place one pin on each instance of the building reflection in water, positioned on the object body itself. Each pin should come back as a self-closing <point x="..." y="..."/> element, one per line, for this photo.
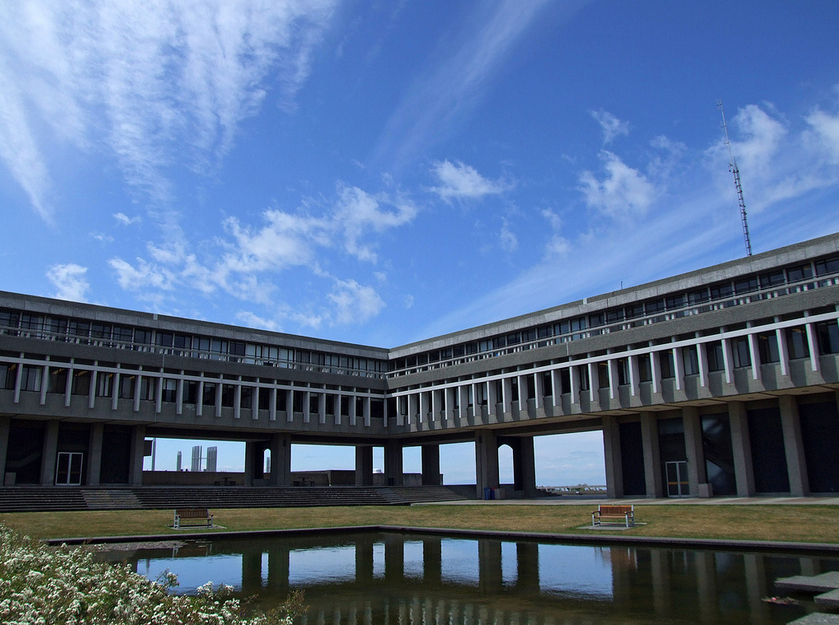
<point x="406" y="579"/>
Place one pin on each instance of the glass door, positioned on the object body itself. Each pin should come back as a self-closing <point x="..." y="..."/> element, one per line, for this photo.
<point x="68" y="469"/>
<point x="677" y="478"/>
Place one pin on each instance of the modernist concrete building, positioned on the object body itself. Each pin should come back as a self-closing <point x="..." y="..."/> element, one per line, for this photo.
<point x="717" y="382"/>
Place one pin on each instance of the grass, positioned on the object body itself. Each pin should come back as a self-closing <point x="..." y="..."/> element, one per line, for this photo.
<point x="800" y="523"/>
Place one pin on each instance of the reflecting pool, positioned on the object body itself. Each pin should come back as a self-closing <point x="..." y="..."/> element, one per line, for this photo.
<point x="413" y="579"/>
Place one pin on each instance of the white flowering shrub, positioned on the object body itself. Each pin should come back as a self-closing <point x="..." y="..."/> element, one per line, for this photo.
<point x="41" y="585"/>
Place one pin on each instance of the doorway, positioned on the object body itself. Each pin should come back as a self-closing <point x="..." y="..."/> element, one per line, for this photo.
<point x="68" y="469"/>
<point x="677" y="478"/>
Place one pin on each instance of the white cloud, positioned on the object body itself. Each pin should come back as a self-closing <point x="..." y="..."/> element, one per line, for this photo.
<point x="70" y="281"/>
<point x="102" y="237"/>
<point x="557" y="245"/>
<point x="611" y="126"/>
<point x="145" y="81"/>
<point x="509" y="241"/>
<point x="251" y="320"/>
<point x="124" y="220"/>
<point x="825" y="128"/>
<point x="460" y="181"/>
<point x="354" y="303"/>
<point x="143" y="276"/>
<point x="623" y="193"/>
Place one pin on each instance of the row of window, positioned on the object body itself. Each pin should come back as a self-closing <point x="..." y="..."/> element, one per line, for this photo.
<point x="193" y="346"/>
<point x="673" y="306"/>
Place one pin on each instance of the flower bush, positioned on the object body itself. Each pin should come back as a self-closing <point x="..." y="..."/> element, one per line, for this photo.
<point x="44" y="585"/>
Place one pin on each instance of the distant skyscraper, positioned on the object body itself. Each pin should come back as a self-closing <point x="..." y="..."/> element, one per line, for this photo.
<point x="212" y="459"/>
<point x="196" y="459"/>
<point x="179" y="461"/>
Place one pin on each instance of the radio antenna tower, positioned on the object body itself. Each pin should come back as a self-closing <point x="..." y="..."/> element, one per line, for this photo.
<point x="732" y="167"/>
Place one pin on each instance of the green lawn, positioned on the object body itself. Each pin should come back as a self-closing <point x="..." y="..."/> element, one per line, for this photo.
<point x="803" y="523"/>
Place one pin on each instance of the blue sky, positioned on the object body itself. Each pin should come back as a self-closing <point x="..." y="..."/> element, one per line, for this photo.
<point x="382" y="172"/>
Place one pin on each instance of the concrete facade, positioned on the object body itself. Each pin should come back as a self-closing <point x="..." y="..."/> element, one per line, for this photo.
<point x="719" y="381"/>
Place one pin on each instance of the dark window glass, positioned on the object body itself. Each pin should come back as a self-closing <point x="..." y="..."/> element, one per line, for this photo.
<point x="584" y="381"/>
<point x="767" y="347"/>
<point x="170" y="390"/>
<point x="100" y="331"/>
<point x="636" y="310"/>
<point x="247" y="398"/>
<point x="209" y="398"/>
<point x="227" y="395"/>
<point x="126" y="386"/>
<point x="698" y="297"/>
<point x="595" y="320"/>
<point x="645" y="373"/>
<point x="797" y="343"/>
<point x="828" y="334"/>
<point x="713" y="351"/>
<point x="142" y="337"/>
<point x="796" y="274"/>
<point x="81" y="382"/>
<point x="623" y="371"/>
<point x="721" y="291"/>
<point x="614" y="316"/>
<point x="740" y="351"/>
<point x="769" y="280"/>
<point x="58" y="381"/>
<point x="191" y="392"/>
<point x="665" y="363"/>
<point x="9" y="319"/>
<point x="831" y="265"/>
<point x="122" y="335"/>
<point x="690" y="360"/>
<point x="654" y="307"/>
<point x="165" y="339"/>
<point x="603" y="374"/>
<point x="674" y="302"/>
<point x="745" y="285"/>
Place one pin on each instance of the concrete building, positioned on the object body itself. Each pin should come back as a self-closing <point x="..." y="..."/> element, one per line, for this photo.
<point x="720" y="381"/>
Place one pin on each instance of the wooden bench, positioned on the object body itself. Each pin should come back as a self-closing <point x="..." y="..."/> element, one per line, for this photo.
<point x="614" y="514"/>
<point x="182" y="514"/>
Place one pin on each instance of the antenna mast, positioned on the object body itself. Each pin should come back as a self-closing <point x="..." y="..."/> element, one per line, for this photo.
<point x="732" y="167"/>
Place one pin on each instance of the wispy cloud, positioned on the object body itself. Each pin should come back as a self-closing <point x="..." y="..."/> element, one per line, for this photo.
<point x="143" y="81"/>
<point x="611" y="126"/>
<point x="623" y="193"/>
<point x="447" y="91"/>
<point x="70" y="282"/>
<point x="458" y="181"/>
<point x="124" y="220"/>
<point x="250" y="258"/>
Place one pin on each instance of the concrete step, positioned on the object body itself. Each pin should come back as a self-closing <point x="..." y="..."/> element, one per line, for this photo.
<point x="111" y="499"/>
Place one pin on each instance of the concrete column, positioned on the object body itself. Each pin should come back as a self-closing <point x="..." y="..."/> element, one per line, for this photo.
<point x="556" y="387"/>
<point x="655" y="371"/>
<point x="135" y="467"/>
<point x="363" y="465"/>
<point x="813" y="345"/>
<point x="366" y="411"/>
<point x="237" y="401"/>
<point x="199" y="404"/>
<point x="783" y="352"/>
<point x="251" y="449"/>
<point x="799" y="483"/>
<point x="539" y="380"/>
<point x="94" y="453"/>
<point x="364" y="561"/>
<point x="446" y="403"/>
<point x="45" y="382"/>
<point x="422" y="402"/>
<point x="754" y="354"/>
<point x="678" y="368"/>
<point x="91" y="392"/>
<point x="18" y="380"/>
<point x="527" y="568"/>
<point x="727" y="360"/>
<point x="507" y="395"/>
<point x="5" y="426"/>
<point x="394" y="559"/>
<point x="352" y="409"/>
<point x="304" y="406"/>
<point x="741" y="446"/>
<point x="593" y="382"/>
<point x="115" y="393"/>
<point x="280" y="446"/>
<point x="490" y="580"/>
<point x="524" y="466"/>
<point x="49" y="454"/>
<point x="492" y="397"/>
<point x="432" y="562"/>
<point x="706" y="585"/>
<point x="486" y="461"/>
<point x="613" y="377"/>
<point x="393" y="464"/>
<point x="430" y="465"/>
<point x="634" y="375"/>
<point x="652" y="457"/>
<point x="693" y="449"/>
<point x="272" y="405"/>
<point x="179" y="396"/>
<point x="702" y="360"/>
<point x="289" y="405"/>
<point x="612" y="457"/>
<point x="255" y="403"/>
<point x="322" y="399"/>
<point x="68" y="389"/>
<point x="574" y="378"/>
<point x="219" y="392"/>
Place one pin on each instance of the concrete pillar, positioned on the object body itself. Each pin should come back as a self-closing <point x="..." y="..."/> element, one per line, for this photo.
<point x="353" y="409"/>
<point x="394" y="558"/>
<point x="199" y="402"/>
<point x="393" y="464"/>
<point x="432" y="562"/>
<point x="527" y="568"/>
<point x="490" y="580"/>
<point x="364" y="561"/>
<point x="237" y="401"/>
<point x="741" y="446"/>
<point x="363" y="465"/>
<point x="799" y="483"/>
<point x="430" y="465"/>
<point x="280" y="446"/>
<point x="94" y="453"/>
<point x="5" y="426"/>
<point x="135" y="467"/>
<point x="524" y="463"/>
<point x="251" y="449"/>
<point x="251" y="571"/>
<point x="697" y="473"/>
<point x="612" y="457"/>
<point x="652" y="456"/>
<point x="365" y="411"/>
<point x="486" y="461"/>
<point x="289" y="405"/>
<point x="272" y="404"/>
<point x="706" y="586"/>
<point x="179" y="396"/>
<point x="50" y="452"/>
<point x="278" y="569"/>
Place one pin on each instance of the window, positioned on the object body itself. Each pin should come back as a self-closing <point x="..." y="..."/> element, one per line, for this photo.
<point x="190" y="392"/>
<point x="31" y="325"/>
<point x="127" y="384"/>
<point x="165" y="340"/>
<point x="797" y="345"/>
<point x="721" y="291"/>
<point x="745" y="285"/>
<point x="104" y="384"/>
<point x="57" y="328"/>
<point x="80" y="330"/>
<point x="690" y="360"/>
<point x="58" y="381"/>
<point x="209" y="398"/>
<point x="595" y="320"/>
<point x="645" y="372"/>
<point x="169" y="392"/>
<point x="623" y="371"/>
<point x="828" y="335"/>
<point x="583" y="377"/>
<point x="147" y="388"/>
<point x="665" y="363"/>
<point x="30" y="379"/>
<point x="101" y="332"/>
<point x="141" y="338"/>
<point x="227" y="395"/>
<point x="654" y="307"/>
<point x="237" y="351"/>
<point x="565" y="379"/>
<point x="122" y="336"/>
<point x="741" y="353"/>
<point x="81" y="382"/>
<point x="797" y="274"/>
<point x="831" y="265"/>
<point x="247" y="398"/>
<point x="713" y="351"/>
<point x="636" y="310"/>
<point x="698" y="297"/>
<point x="9" y="319"/>
<point x="603" y="374"/>
<point x="182" y="343"/>
<point x="7" y="377"/>
<point x="674" y="302"/>
<point x="614" y="316"/>
<point x="769" y="280"/>
<point x="767" y="347"/>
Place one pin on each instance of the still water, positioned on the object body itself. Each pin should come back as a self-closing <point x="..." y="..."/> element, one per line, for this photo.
<point x="410" y="579"/>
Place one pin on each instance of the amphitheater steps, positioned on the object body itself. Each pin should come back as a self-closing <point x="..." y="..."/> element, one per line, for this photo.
<point x="110" y="499"/>
<point x="41" y="498"/>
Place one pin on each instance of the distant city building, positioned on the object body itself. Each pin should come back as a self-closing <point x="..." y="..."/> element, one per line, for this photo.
<point x="179" y="461"/>
<point x="720" y="381"/>
<point x="195" y="467"/>
<point x="212" y="459"/>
